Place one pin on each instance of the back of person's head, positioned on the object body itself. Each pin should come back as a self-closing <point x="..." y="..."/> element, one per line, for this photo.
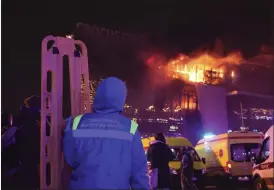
<point x="29" y="111"/>
<point x="110" y="96"/>
<point x="160" y="137"/>
<point x="33" y="102"/>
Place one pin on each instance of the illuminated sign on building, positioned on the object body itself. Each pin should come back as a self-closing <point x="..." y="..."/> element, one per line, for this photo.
<point x="173" y="128"/>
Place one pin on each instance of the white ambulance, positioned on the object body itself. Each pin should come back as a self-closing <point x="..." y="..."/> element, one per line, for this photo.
<point x="263" y="170"/>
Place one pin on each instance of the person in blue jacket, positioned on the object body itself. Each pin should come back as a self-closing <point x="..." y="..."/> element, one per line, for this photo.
<point x="104" y="148"/>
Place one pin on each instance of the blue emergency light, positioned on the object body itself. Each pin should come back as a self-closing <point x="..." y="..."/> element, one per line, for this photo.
<point x="209" y="136"/>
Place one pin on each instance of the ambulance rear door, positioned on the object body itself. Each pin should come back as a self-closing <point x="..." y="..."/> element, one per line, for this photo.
<point x="242" y="150"/>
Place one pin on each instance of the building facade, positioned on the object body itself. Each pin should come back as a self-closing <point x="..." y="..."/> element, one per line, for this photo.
<point x="110" y="50"/>
<point x="177" y="113"/>
<point x="251" y="110"/>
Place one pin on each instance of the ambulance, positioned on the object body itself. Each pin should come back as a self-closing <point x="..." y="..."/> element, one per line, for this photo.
<point x="263" y="170"/>
<point x="175" y="143"/>
<point x="228" y="157"/>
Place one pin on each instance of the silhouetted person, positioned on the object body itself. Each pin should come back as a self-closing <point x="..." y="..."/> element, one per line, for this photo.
<point x="159" y="155"/>
<point x="28" y="143"/>
<point x="187" y="170"/>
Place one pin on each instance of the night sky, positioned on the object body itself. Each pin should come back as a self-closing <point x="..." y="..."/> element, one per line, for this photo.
<point x="184" y="25"/>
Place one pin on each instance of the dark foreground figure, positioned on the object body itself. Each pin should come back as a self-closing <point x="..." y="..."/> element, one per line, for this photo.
<point x="159" y="155"/>
<point x="25" y="151"/>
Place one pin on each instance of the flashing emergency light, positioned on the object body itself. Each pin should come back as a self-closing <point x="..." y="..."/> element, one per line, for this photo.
<point x="229" y="131"/>
<point x="209" y="136"/>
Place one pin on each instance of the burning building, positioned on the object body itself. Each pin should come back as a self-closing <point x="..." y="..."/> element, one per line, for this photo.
<point x="189" y="91"/>
<point x="207" y="78"/>
<point x="195" y="94"/>
<point x="203" y="68"/>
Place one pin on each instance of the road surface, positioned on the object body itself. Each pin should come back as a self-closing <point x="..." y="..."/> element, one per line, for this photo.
<point x="214" y="188"/>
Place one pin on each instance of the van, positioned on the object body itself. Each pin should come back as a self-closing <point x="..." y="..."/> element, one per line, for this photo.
<point x="229" y="157"/>
<point x="263" y="169"/>
<point x="175" y="143"/>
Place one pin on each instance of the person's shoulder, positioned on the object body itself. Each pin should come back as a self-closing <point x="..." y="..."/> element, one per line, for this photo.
<point x="154" y="146"/>
<point x="87" y="115"/>
<point x="163" y="147"/>
<point x="116" y="118"/>
<point x="167" y="148"/>
<point x="124" y="120"/>
<point x="90" y="116"/>
<point x="122" y="117"/>
<point x="160" y="145"/>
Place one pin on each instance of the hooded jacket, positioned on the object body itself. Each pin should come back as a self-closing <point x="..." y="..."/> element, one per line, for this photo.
<point x="102" y="150"/>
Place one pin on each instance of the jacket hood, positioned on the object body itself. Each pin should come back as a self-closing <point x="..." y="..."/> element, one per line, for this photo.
<point x="110" y="96"/>
<point x="155" y="141"/>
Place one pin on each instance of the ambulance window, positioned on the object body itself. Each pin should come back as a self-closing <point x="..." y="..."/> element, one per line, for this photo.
<point x="243" y="152"/>
<point x="265" y="151"/>
<point x="196" y="156"/>
<point x="175" y="153"/>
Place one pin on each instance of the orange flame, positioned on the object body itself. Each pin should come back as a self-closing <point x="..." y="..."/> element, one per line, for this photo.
<point x="193" y="68"/>
<point x="196" y="68"/>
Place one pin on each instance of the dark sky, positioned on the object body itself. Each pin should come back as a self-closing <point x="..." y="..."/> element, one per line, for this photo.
<point x="185" y="24"/>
